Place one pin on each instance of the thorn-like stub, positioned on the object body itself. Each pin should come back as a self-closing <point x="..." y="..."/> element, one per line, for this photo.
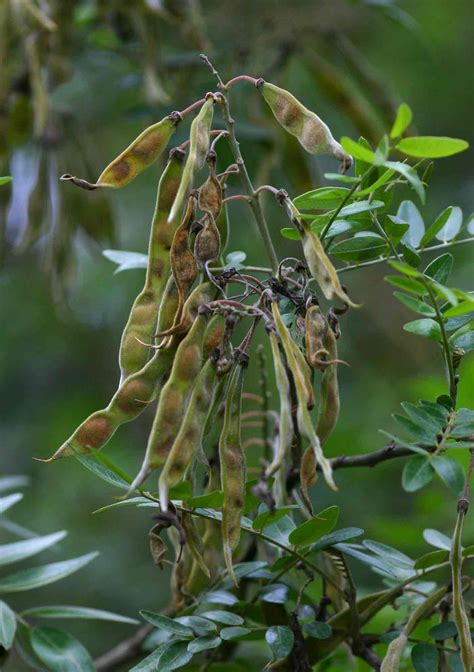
<point x="78" y="182"/>
<point x="175" y="116"/>
<point x="177" y="153"/>
<point x="259" y="82"/>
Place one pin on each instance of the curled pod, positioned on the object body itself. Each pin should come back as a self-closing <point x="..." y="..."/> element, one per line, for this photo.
<point x="311" y="131"/>
<point x="233" y="467"/>
<point x="198" y="148"/>
<point x="329" y="403"/>
<point x="141" y="324"/>
<point x="303" y="417"/>
<point x="138" y="156"/>
<point x="207" y="245"/>
<point x="315" y="331"/>
<point x="189" y="437"/>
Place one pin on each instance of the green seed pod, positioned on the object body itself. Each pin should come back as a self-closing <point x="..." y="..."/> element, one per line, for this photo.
<point x="138" y="156"/>
<point x="305" y="424"/>
<point x="233" y="468"/>
<point x="195" y="543"/>
<point x="190" y="434"/>
<point x="312" y="133"/>
<point x="199" y="146"/>
<point x="459" y="612"/>
<point x="141" y="325"/>
<point x="329" y="404"/>
<point x="285" y="430"/>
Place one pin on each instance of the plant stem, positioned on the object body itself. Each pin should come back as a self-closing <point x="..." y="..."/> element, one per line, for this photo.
<point x="339" y="207"/>
<point x="452" y="382"/>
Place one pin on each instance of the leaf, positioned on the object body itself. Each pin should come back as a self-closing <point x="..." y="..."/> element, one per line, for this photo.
<point x="126" y="260"/>
<point x="371" y="560"/>
<point x="290" y="234"/>
<point x="415" y="304"/>
<point x="275" y="593"/>
<point x="430" y="559"/>
<point x="219" y="597"/>
<point x="421" y="433"/>
<point x="151" y="662"/>
<point x="462" y="308"/>
<point x="59" y="651"/>
<point x="234" y="633"/>
<point x="201" y="626"/>
<point x="318" y="630"/>
<point x="436" y="227"/>
<point x="431" y="425"/>
<point x="226" y="617"/>
<point x="408" y="284"/>
<point x="204" y="643"/>
<point x="174" y="656"/>
<point x="235" y="259"/>
<point x="410" y="255"/>
<point x="437" y="539"/>
<point x="405" y="269"/>
<point x="7" y="625"/>
<point x="344" y="534"/>
<point x="395" y="228"/>
<point x="9" y="500"/>
<point x="442" y="631"/>
<point x="10" y="482"/>
<point x="417" y="473"/>
<point x="410" y="175"/>
<point x="426" y="328"/>
<point x="360" y="206"/>
<point x="358" y="151"/>
<point x="165" y="623"/>
<point x="66" y="611"/>
<point x="211" y="500"/>
<point x="389" y="553"/>
<point x="450" y="471"/>
<point x="440" y="268"/>
<point x="20" y="550"/>
<point x="44" y="575"/>
<point x="431" y="147"/>
<point x="313" y="529"/>
<point x="363" y="246"/>
<point x="5" y="180"/>
<point x="402" y="121"/>
<point x="409" y="213"/>
<point x="324" y="198"/>
<point x="267" y="518"/>
<point x="452" y="226"/>
<point x="101" y="471"/>
<point x="280" y="639"/>
<point x="424" y="657"/>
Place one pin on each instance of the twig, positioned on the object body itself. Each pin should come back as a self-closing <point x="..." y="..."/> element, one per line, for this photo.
<point x="124" y="652"/>
<point x="389" y="452"/>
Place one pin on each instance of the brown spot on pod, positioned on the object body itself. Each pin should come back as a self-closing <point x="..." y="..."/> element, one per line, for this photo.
<point x="94" y="432"/>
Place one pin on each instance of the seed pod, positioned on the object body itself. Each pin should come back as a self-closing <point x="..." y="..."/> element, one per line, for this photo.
<point x="198" y="148"/>
<point x="233" y="468"/>
<point x="329" y="402"/>
<point x="459" y="613"/>
<point x="195" y="543"/>
<point x="222" y="223"/>
<point x="138" y="156"/>
<point x="190" y="433"/>
<point x="315" y="330"/>
<point x="285" y="430"/>
<point x="141" y="324"/>
<point x="305" y="425"/>
<point x="210" y="194"/>
<point x="312" y="133"/>
<point x="208" y="243"/>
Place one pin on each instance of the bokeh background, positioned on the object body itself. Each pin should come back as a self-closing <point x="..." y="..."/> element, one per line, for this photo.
<point x="70" y="100"/>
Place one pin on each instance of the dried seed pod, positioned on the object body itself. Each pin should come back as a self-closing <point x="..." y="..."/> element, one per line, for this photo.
<point x="199" y="146"/>
<point x="210" y="194"/>
<point x="142" y="320"/>
<point x="305" y="424"/>
<point x="195" y="543"/>
<point x="138" y="156"/>
<point x="312" y="133"/>
<point x="459" y="612"/>
<point x="207" y="245"/>
<point x="329" y="399"/>
<point x="285" y="429"/>
<point x="233" y="467"/>
<point x="315" y="331"/>
<point x="189" y="436"/>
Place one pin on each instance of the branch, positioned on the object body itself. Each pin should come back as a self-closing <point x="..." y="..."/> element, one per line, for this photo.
<point x="370" y="459"/>
<point x="124" y="652"/>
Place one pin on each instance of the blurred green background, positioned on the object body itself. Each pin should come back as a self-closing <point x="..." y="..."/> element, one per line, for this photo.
<point x="110" y="69"/>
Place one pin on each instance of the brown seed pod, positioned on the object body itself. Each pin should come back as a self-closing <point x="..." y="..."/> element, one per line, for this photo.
<point x="315" y="331"/>
<point x="207" y="245"/>
<point x="329" y="404"/>
<point x="210" y="194"/>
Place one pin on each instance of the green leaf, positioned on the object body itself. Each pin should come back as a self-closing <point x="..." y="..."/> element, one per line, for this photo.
<point x="442" y="631"/>
<point x="450" y="471"/>
<point x="66" y="611"/>
<point x="430" y="559"/>
<point x="417" y="473"/>
<point x="379" y="182"/>
<point x="44" y="575"/>
<point x="451" y="227"/>
<point x="431" y="147"/>
<point x="370" y="560"/>
<point x="174" y="657"/>
<point x="165" y="623"/>
<point x="426" y="328"/>
<point x="219" y="597"/>
<point x="422" y="433"/>
<point x="101" y="471"/>
<point x="151" y="662"/>
<point x="409" y="213"/>
<point x="313" y="529"/>
<point x="462" y="308"/>
<point x="411" y="176"/>
<point x="11" y="482"/>
<point x="324" y="198"/>
<point x="226" y="617"/>
<point x="20" y="550"/>
<point x="290" y="234"/>
<point x="280" y="639"/>
<point x="437" y="539"/>
<point x="436" y="227"/>
<point x="340" y="178"/>
<point x="59" y="651"/>
<point x="181" y="491"/>
<point x="275" y="593"/>
<point x="432" y="426"/>
<point x="410" y="255"/>
<point x="402" y="121"/>
<point x="235" y="259"/>
<point x="318" y="630"/>
<point x="358" y="151"/>
<point x="204" y="643"/>
<point x="213" y="500"/>
<point x="405" y="269"/>
<point x="395" y="228"/>
<point x="267" y="518"/>
<point x="363" y="246"/>
<point x="424" y="657"/>
<point x="408" y="284"/>
<point x="415" y="304"/>
<point x="126" y="260"/>
<point x="388" y="553"/>
<point x="440" y="268"/>
<point x="9" y="500"/>
<point x="200" y="625"/>
<point x="234" y="633"/>
<point x="7" y="625"/>
<point x="5" y="180"/>
<point x="360" y="206"/>
<point x="344" y="534"/>
<point x="397" y="441"/>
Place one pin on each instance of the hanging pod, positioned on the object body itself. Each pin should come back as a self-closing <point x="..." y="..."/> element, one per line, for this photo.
<point x="142" y="321"/>
<point x="311" y="131"/>
<point x="138" y="156"/>
<point x="315" y="330"/>
<point x="329" y="403"/>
